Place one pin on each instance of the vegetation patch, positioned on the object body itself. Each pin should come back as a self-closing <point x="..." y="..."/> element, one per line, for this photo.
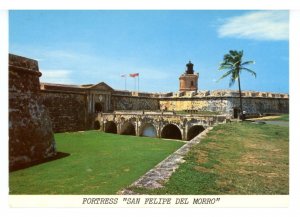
<point x="284" y="117"/>
<point x="99" y="163"/>
<point x="236" y="158"/>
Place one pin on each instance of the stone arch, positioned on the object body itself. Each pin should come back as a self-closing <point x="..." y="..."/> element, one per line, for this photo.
<point x="127" y="129"/>
<point x="148" y="130"/>
<point x="194" y="131"/>
<point x="171" y="131"/>
<point x="96" y="125"/>
<point x="110" y="127"/>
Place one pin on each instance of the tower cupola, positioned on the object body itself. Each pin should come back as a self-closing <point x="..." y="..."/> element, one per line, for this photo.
<point x="188" y="81"/>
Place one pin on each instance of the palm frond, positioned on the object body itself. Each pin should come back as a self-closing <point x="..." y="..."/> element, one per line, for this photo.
<point x="233" y="52"/>
<point x="249" y="70"/>
<point x="225" y="75"/>
<point x="247" y="62"/>
<point x="225" y="66"/>
<point x="241" y="53"/>
<point x="232" y="61"/>
<point x="235" y="74"/>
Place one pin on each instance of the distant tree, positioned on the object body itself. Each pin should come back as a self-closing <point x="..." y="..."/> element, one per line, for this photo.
<point x="233" y="63"/>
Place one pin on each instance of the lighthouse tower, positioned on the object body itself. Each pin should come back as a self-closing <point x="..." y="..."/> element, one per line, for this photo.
<point x="188" y="81"/>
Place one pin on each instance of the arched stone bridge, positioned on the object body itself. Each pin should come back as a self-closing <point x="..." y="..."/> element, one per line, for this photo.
<point x="154" y="124"/>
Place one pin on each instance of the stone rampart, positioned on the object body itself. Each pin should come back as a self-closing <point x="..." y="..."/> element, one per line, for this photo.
<point x="68" y="110"/>
<point x="120" y="102"/>
<point x="226" y="104"/>
<point x="30" y="130"/>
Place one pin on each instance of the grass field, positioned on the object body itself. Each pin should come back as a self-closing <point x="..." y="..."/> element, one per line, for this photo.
<point x="99" y="163"/>
<point x="236" y="158"/>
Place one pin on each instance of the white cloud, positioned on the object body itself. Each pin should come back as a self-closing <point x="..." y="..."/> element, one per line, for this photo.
<point x="59" y="76"/>
<point x="261" y="25"/>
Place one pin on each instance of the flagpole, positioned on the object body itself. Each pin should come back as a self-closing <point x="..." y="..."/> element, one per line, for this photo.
<point x="138" y="82"/>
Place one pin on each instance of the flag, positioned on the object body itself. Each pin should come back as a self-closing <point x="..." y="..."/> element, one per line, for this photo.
<point x="134" y="75"/>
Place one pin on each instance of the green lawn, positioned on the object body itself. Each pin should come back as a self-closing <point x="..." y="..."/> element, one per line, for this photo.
<point x="100" y="163"/>
<point x="235" y="158"/>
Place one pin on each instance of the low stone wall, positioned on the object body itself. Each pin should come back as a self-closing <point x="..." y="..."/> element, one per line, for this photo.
<point x="67" y="110"/>
<point x="30" y="131"/>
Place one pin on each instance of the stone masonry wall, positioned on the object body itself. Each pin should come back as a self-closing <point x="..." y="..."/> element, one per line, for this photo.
<point x="225" y="105"/>
<point x="30" y="131"/>
<point x="134" y="103"/>
<point x="68" y="111"/>
<point x="260" y="105"/>
<point x="200" y="104"/>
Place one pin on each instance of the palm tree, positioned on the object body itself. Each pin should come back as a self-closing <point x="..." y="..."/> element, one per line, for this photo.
<point x="233" y="63"/>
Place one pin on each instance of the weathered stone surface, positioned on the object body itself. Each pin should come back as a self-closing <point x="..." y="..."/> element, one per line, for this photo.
<point x="226" y="104"/>
<point x="68" y="111"/>
<point x="134" y="103"/>
<point x="30" y="131"/>
<point x="160" y="122"/>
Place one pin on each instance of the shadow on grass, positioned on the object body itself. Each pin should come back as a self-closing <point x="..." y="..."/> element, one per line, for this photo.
<point x="58" y="155"/>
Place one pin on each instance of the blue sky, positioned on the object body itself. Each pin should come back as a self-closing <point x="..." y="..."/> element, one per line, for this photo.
<point x="88" y="47"/>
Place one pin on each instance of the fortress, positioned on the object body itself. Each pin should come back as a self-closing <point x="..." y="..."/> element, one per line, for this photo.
<point x="37" y="110"/>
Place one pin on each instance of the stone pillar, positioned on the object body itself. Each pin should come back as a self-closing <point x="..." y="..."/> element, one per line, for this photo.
<point x="30" y="129"/>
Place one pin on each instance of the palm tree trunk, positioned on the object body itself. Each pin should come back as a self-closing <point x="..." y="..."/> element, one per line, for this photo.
<point x="241" y="105"/>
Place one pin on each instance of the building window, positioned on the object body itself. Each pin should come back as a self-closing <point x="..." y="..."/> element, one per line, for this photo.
<point x="192" y="83"/>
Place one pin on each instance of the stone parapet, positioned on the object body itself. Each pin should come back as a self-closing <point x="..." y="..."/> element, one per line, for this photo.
<point x="224" y="93"/>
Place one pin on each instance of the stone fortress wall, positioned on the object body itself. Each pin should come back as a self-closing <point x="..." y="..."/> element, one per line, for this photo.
<point x="68" y="110"/>
<point x="72" y="108"/>
<point x="225" y="101"/>
<point x="121" y="102"/>
<point x="30" y="129"/>
<point x="75" y="107"/>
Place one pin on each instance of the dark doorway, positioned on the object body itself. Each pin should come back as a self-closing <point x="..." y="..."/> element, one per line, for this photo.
<point x="110" y="127"/>
<point x="98" y="107"/>
<point x="128" y="129"/>
<point x="96" y="125"/>
<point x="148" y="130"/>
<point x="236" y="113"/>
<point x="171" y="131"/>
<point x="194" y="131"/>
